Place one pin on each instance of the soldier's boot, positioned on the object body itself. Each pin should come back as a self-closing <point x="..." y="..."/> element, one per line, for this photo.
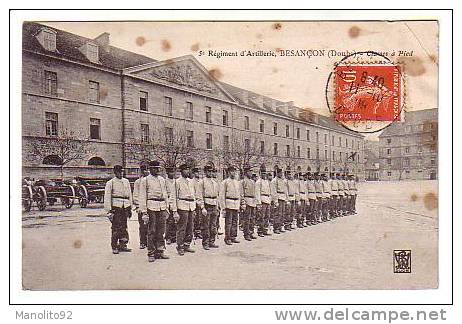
<point x="161" y="255"/>
<point x="187" y="248"/>
<point x="235" y="240"/>
<point x="115" y="251"/>
<point x="213" y="245"/>
<point x="180" y="251"/>
<point x="151" y="258"/>
<point x="206" y="246"/>
<point x="252" y="236"/>
<point x="228" y="242"/>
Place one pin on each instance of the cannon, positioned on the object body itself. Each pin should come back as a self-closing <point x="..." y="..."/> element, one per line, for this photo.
<point x="57" y="189"/>
<point x="90" y="190"/>
<point x="33" y="194"/>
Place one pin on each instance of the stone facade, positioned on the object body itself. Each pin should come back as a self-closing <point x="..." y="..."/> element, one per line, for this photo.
<point x="186" y="82"/>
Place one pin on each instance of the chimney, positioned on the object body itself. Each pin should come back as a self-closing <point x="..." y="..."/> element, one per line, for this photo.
<point x="103" y="41"/>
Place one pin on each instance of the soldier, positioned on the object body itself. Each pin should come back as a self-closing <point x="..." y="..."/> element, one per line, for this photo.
<point x="184" y="207"/>
<point x="346" y="202"/>
<point x="209" y="191"/>
<point x="326" y="197"/>
<point x="215" y="177"/>
<point x="143" y="228"/>
<point x="280" y="200"/>
<point x="170" y="231"/>
<point x="230" y="202"/>
<point x="305" y="199"/>
<point x="319" y="196"/>
<point x="153" y="205"/>
<point x="195" y="178"/>
<point x="334" y="195"/>
<point x="312" y="197"/>
<point x="341" y="195"/>
<point x="300" y="199"/>
<point x="269" y="176"/>
<point x="292" y="203"/>
<point x="354" y="192"/>
<point x="117" y="202"/>
<point x="263" y="197"/>
<point x="250" y="204"/>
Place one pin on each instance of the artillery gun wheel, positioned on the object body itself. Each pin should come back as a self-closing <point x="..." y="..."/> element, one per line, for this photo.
<point x="83" y="196"/>
<point x="28" y="198"/>
<point x="67" y="202"/>
<point x="41" y="198"/>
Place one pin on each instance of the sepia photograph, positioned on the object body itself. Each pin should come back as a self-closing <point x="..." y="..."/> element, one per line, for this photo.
<point x="229" y="155"/>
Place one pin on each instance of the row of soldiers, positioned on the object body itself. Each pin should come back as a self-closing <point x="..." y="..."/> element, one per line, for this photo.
<point x="179" y="209"/>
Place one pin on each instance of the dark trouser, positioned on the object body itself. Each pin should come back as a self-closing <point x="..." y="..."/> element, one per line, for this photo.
<point x="279" y="215"/>
<point x="300" y="212"/>
<point x="156" y="231"/>
<point x="209" y="225"/>
<point x="333" y="205"/>
<point x="248" y="220"/>
<point x="231" y="220"/>
<point x="263" y="217"/>
<point x="341" y="204"/>
<point x="143" y="230"/>
<point x="353" y="203"/>
<point x="325" y="208"/>
<point x="170" y="231"/>
<point x="290" y="212"/>
<point x="312" y="210"/>
<point x="119" y="236"/>
<point x="197" y="220"/>
<point x="184" y="228"/>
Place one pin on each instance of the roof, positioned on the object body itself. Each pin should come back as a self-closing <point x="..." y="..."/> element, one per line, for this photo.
<point x="410" y="118"/>
<point x="67" y="45"/>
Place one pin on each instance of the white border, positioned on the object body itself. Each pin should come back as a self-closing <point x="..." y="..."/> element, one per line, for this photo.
<point x="440" y="295"/>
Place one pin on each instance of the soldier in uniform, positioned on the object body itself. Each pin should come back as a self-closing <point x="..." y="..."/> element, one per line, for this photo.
<point x="184" y="207"/>
<point x="230" y="202"/>
<point x="334" y="195"/>
<point x="215" y="177"/>
<point x="263" y="197"/>
<point x="319" y="196"/>
<point x="272" y="211"/>
<point x="354" y="192"/>
<point x="312" y="197"/>
<point x="300" y="199"/>
<point x="250" y="204"/>
<point x="209" y="191"/>
<point x="117" y="202"/>
<point x="153" y="205"/>
<point x="341" y="195"/>
<point x="326" y="197"/>
<point x="292" y="203"/>
<point x="143" y="228"/>
<point x="170" y="231"/>
<point x="280" y="200"/>
<point x="346" y="202"/>
<point x="195" y="179"/>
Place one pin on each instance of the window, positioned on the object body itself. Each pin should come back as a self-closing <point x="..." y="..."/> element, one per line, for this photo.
<point x="92" y="52"/>
<point x="287" y="131"/>
<point x="95" y="128"/>
<point x="388" y="151"/>
<point x="246" y="123"/>
<point x="432" y="162"/>
<point x="208" y="114"/>
<point x="298" y="151"/>
<point x="51" y="83"/>
<point x="308" y="153"/>
<point x="275" y="149"/>
<point x="325" y="154"/>
<point x="208" y="141"/>
<point x="341" y="156"/>
<point x="419" y="149"/>
<point x="143" y="101"/>
<point x="408" y="129"/>
<point x="262" y="126"/>
<point x="352" y="143"/>
<point x="226" y="142"/>
<point x="325" y="138"/>
<point x="169" y="135"/>
<point x="406" y="161"/>
<point x="275" y="128"/>
<point x="190" y="138"/>
<point x="287" y="150"/>
<point x="247" y="144"/>
<point x="317" y="137"/>
<point x="346" y="142"/>
<point x="189" y="110"/>
<point x="389" y="173"/>
<point x="94" y="92"/>
<point x="388" y="140"/>
<point x="308" y="135"/>
<point x="168" y="106"/>
<point x="333" y="155"/>
<point x="51" y="124"/>
<point x="333" y="140"/>
<point x="49" y="40"/>
<point x="262" y="147"/>
<point x="317" y="154"/>
<point x="407" y="149"/>
<point x="145" y="133"/>
<point x="340" y="141"/>
<point x="389" y="161"/>
<point x="96" y="160"/>
<point x="52" y="160"/>
<point x="225" y="118"/>
<point x="298" y="133"/>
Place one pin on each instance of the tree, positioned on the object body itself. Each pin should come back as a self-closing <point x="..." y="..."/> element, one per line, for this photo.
<point x="69" y="146"/>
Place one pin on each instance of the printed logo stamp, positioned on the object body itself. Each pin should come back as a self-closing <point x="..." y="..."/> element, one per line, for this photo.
<point x="402" y="261"/>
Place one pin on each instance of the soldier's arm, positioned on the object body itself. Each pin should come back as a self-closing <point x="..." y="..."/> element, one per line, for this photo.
<point x="222" y="195"/>
<point x="130" y="194"/>
<point x="174" y="195"/>
<point x="108" y="196"/>
<point x="143" y="195"/>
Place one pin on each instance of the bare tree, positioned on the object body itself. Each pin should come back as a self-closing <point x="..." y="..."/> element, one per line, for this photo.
<point x="69" y="146"/>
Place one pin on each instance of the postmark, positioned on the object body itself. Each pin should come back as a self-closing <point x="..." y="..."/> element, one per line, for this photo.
<point x="364" y="92"/>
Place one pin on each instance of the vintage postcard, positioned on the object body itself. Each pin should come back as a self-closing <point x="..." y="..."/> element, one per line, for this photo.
<point x="247" y="155"/>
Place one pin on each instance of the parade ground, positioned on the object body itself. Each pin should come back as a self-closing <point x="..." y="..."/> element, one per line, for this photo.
<point x="69" y="249"/>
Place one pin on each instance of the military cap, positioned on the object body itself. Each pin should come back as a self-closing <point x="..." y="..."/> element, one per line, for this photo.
<point x="118" y="168"/>
<point x="278" y="169"/>
<point x="184" y="166"/>
<point x="231" y="168"/>
<point x="169" y="169"/>
<point x="247" y="167"/>
<point x="144" y="166"/>
<point x="195" y="169"/>
<point x="154" y="164"/>
<point x="208" y="168"/>
<point x="337" y="174"/>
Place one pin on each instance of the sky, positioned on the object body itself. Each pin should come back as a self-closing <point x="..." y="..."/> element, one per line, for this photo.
<point x="298" y="79"/>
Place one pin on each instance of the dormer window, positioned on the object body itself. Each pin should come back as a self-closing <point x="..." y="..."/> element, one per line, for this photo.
<point x="92" y="53"/>
<point x="47" y="38"/>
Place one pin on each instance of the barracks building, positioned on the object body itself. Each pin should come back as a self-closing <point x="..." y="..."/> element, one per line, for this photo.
<point x="116" y="97"/>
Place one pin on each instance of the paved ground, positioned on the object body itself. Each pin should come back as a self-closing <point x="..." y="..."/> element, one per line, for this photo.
<point x="70" y="249"/>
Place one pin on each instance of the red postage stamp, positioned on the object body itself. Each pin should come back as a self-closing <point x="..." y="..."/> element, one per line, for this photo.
<point x="367" y="93"/>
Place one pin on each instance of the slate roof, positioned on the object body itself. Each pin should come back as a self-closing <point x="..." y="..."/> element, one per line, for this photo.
<point x="411" y="118"/>
<point x="68" y="44"/>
